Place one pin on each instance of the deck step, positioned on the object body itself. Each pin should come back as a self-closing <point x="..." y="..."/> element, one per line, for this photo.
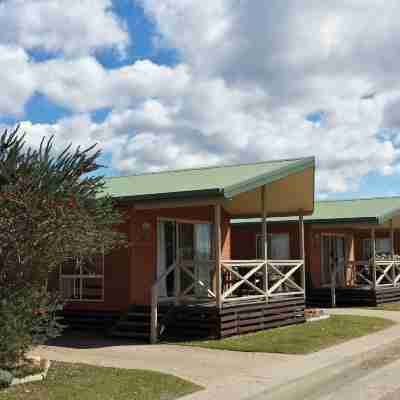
<point x="130" y="334"/>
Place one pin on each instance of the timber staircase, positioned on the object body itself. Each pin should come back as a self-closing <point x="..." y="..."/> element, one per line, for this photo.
<point x="174" y="322"/>
<point x="134" y="324"/>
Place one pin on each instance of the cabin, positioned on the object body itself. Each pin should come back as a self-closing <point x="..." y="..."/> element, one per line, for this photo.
<point x="178" y="277"/>
<point x="352" y="249"/>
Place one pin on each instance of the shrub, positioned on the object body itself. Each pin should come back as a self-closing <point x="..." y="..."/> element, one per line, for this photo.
<point x="5" y="378"/>
<point x="29" y="317"/>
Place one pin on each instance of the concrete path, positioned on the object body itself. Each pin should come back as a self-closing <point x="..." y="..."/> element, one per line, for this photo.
<point x="235" y="375"/>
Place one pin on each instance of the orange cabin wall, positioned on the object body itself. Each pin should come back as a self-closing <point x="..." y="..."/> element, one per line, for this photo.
<point x="244" y="239"/>
<point x="116" y="280"/>
<point x="129" y="273"/>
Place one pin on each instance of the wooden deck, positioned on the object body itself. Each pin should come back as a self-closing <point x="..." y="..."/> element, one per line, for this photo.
<point x="200" y="321"/>
<point x="347" y="297"/>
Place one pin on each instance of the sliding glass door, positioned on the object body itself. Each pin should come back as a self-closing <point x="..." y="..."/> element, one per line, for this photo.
<point x="332" y="259"/>
<point x="189" y="245"/>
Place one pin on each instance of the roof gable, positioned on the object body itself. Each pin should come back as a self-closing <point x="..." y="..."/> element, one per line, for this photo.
<point x="224" y="181"/>
<point x="375" y="210"/>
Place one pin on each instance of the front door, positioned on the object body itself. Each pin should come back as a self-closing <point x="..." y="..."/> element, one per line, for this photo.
<point x="189" y="245"/>
<point x="333" y="260"/>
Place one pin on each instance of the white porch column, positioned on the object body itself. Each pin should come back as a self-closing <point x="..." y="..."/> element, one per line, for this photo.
<point x="373" y="244"/>
<point x="392" y="252"/>
<point x="302" y="253"/>
<point x="217" y="241"/>
<point x="392" y="239"/>
<point x="177" y="272"/>
<point x="264" y="236"/>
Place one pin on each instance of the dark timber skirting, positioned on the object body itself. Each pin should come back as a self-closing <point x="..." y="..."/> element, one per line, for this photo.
<point x="347" y="297"/>
<point x="88" y="320"/>
<point x="387" y="295"/>
<point x="241" y="318"/>
<point x="207" y="321"/>
<point x="199" y="321"/>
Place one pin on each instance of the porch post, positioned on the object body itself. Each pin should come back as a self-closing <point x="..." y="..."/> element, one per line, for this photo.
<point x="392" y="252"/>
<point x="332" y="257"/>
<point x="373" y="244"/>
<point x="302" y="253"/>
<point x="177" y="272"/>
<point x="264" y="238"/>
<point x="218" y="280"/>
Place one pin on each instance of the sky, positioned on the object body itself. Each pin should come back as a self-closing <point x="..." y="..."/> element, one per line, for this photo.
<point x="163" y="84"/>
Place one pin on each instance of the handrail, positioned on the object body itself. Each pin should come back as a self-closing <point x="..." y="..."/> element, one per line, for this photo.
<point x="286" y="278"/>
<point x="387" y="271"/>
<point x="154" y="303"/>
<point x="254" y="266"/>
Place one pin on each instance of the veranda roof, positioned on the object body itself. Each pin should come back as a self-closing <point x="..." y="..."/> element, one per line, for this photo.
<point x="290" y="186"/>
<point x="379" y="210"/>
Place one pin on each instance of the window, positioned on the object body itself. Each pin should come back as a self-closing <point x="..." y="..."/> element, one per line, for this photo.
<point x="278" y="246"/>
<point x="82" y="279"/>
<point x="382" y="246"/>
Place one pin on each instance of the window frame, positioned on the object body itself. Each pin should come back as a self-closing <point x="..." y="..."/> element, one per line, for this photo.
<point x="80" y="277"/>
<point x="269" y="236"/>
<point x="364" y="246"/>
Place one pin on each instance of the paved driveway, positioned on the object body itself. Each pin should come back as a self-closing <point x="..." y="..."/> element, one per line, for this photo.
<point x="227" y="375"/>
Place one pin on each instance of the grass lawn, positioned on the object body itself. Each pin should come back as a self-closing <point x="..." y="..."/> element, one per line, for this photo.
<point x="300" y="339"/>
<point x="389" y="307"/>
<point x="84" y="382"/>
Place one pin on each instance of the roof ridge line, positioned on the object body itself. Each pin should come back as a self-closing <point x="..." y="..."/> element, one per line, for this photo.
<point x="358" y="199"/>
<point x="208" y="167"/>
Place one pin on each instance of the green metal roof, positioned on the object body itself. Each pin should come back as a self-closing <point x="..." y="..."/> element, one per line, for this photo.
<point x="374" y="210"/>
<point x="226" y="181"/>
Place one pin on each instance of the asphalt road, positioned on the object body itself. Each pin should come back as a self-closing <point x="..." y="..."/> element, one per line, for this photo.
<point x="371" y="376"/>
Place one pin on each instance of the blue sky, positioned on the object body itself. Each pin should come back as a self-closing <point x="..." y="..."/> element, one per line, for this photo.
<point x="169" y="84"/>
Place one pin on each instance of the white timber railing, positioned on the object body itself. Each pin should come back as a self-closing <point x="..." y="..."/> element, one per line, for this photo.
<point x="287" y="283"/>
<point x="250" y="279"/>
<point x="386" y="273"/>
<point x="188" y="286"/>
<point x="240" y="280"/>
<point x="237" y="274"/>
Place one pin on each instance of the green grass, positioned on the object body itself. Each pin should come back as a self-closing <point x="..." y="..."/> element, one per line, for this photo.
<point x="389" y="307"/>
<point x="300" y="339"/>
<point x="84" y="382"/>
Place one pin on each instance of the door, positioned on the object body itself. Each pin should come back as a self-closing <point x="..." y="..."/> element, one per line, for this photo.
<point x="195" y="253"/>
<point x="166" y="244"/>
<point x="333" y="260"/>
<point x="187" y="244"/>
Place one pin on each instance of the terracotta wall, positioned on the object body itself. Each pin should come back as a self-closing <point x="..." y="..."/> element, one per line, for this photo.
<point x="116" y="280"/>
<point x="314" y="243"/>
<point x="244" y="242"/>
<point x="129" y="273"/>
<point x="244" y="238"/>
<point x="144" y="262"/>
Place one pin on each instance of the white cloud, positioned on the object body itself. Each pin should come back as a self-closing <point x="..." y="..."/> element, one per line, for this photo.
<point x="250" y="74"/>
<point x="17" y="79"/>
<point x="74" y="27"/>
<point x="83" y="84"/>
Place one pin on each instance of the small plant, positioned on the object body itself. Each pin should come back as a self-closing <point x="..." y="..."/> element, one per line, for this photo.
<point x="5" y="378"/>
<point x="29" y="317"/>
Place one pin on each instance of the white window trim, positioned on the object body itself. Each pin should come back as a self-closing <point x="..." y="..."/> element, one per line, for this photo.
<point x="81" y="277"/>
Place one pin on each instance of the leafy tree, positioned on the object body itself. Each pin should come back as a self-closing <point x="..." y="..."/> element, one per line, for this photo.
<point x="52" y="207"/>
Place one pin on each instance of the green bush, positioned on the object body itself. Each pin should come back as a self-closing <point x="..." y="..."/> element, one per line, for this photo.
<point x="28" y="317"/>
<point x="5" y="378"/>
